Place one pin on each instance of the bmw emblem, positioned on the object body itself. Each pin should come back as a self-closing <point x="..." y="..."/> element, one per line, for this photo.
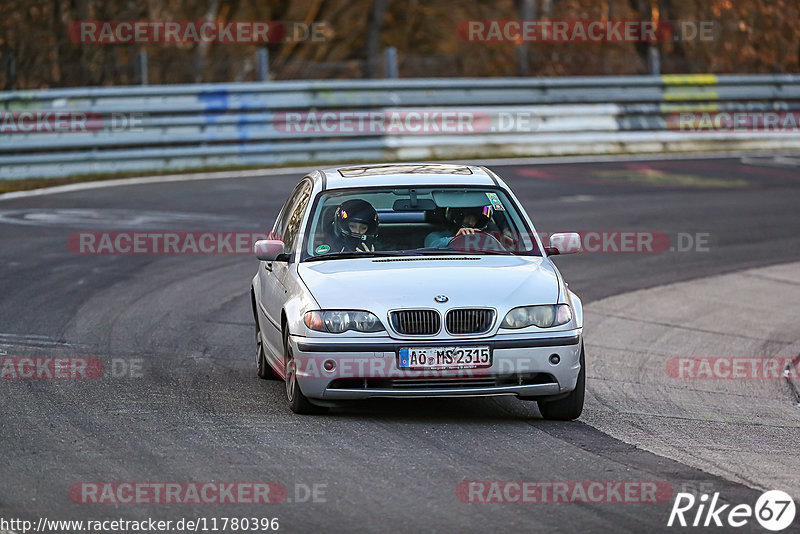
<point x="441" y="298"/>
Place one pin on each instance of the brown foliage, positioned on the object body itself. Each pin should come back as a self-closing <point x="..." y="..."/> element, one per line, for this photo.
<point x="750" y="36"/>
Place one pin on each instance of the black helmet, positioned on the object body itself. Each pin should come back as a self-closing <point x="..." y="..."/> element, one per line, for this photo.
<point x="359" y="211"/>
<point x="456" y="216"/>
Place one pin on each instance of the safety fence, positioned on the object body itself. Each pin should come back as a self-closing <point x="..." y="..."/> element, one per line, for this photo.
<point x="61" y="132"/>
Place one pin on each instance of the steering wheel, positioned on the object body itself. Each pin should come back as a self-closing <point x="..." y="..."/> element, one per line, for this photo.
<point x="479" y="241"/>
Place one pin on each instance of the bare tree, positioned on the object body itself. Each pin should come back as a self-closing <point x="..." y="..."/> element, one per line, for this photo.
<point x="527" y="11"/>
<point x="643" y="48"/>
<point x="377" y="14"/>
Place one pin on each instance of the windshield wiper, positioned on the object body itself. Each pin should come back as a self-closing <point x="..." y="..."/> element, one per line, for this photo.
<point x="341" y="255"/>
<point x="447" y="251"/>
<point x="492" y="252"/>
<point x="413" y="252"/>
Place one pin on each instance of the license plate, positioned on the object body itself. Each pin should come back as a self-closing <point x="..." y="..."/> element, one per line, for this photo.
<point x="444" y="357"/>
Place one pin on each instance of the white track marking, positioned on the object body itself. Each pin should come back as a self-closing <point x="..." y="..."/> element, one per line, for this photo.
<point x="576" y="198"/>
<point x="103" y="218"/>
<point x="70" y="188"/>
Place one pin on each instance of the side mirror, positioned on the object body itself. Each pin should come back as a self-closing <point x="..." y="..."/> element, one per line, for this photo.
<point x="268" y="249"/>
<point x="564" y="243"/>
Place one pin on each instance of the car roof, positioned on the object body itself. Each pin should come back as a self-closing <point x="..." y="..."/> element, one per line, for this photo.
<point x="405" y="174"/>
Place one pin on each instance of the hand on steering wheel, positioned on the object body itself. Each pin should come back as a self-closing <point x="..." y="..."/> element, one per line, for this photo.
<point x="466" y="231"/>
<point x="472" y="239"/>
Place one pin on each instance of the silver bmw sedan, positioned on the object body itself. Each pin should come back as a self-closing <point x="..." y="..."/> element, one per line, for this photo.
<point x="415" y="280"/>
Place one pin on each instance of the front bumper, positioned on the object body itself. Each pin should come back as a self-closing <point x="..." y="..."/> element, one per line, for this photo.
<point x="368" y="367"/>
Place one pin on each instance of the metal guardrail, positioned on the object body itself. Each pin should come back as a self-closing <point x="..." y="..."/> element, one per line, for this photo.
<point x="212" y="125"/>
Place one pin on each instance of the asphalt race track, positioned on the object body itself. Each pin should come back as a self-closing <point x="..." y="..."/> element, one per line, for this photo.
<point x="196" y="411"/>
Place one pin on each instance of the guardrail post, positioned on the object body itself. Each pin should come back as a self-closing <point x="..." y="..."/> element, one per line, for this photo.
<point x="262" y="60"/>
<point x="143" y="67"/>
<point x="11" y="70"/>
<point x="655" y="60"/>
<point x="390" y="56"/>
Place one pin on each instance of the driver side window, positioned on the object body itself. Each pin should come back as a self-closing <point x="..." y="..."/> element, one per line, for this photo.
<point x="288" y="224"/>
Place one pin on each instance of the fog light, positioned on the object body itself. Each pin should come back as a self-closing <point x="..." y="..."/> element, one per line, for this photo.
<point x="329" y="365"/>
<point x="554" y="359"/>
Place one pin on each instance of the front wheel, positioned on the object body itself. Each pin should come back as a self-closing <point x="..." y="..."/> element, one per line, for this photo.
<point x="298" y="402"/>
<point x="265" y="371"/>
<point x="571" y="406"/>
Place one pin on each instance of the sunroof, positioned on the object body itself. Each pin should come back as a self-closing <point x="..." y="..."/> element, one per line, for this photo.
<point x="355" y="172"/>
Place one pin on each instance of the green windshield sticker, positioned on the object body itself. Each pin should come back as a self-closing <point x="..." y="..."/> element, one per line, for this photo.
<point x="496" y="204"/>
<point x="322" y="249"/>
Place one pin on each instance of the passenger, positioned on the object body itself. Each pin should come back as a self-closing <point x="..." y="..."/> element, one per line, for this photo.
<point x="461" y="221"/>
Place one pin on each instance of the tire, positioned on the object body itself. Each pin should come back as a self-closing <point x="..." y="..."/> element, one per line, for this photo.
<point x="265" y="371"/>
<point x="298" y="402"/>
<point x="571" y="406"/>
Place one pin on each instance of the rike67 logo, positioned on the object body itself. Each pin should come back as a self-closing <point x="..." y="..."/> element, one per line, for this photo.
<point x="774" y="510"/>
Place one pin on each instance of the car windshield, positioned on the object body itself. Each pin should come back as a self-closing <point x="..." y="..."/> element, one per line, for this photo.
<point x="416" y="221"/>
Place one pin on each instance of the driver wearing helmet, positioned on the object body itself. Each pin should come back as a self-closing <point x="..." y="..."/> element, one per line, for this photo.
<point x="462" y="221"/>
<point x="355" y="227"/>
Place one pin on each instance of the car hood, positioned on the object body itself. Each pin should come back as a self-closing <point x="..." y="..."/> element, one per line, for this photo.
<point x="381" y="284"/>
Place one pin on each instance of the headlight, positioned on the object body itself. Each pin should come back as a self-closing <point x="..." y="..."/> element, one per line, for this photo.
<point x="542" y="316"/>
<point x="340" y="321"/>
